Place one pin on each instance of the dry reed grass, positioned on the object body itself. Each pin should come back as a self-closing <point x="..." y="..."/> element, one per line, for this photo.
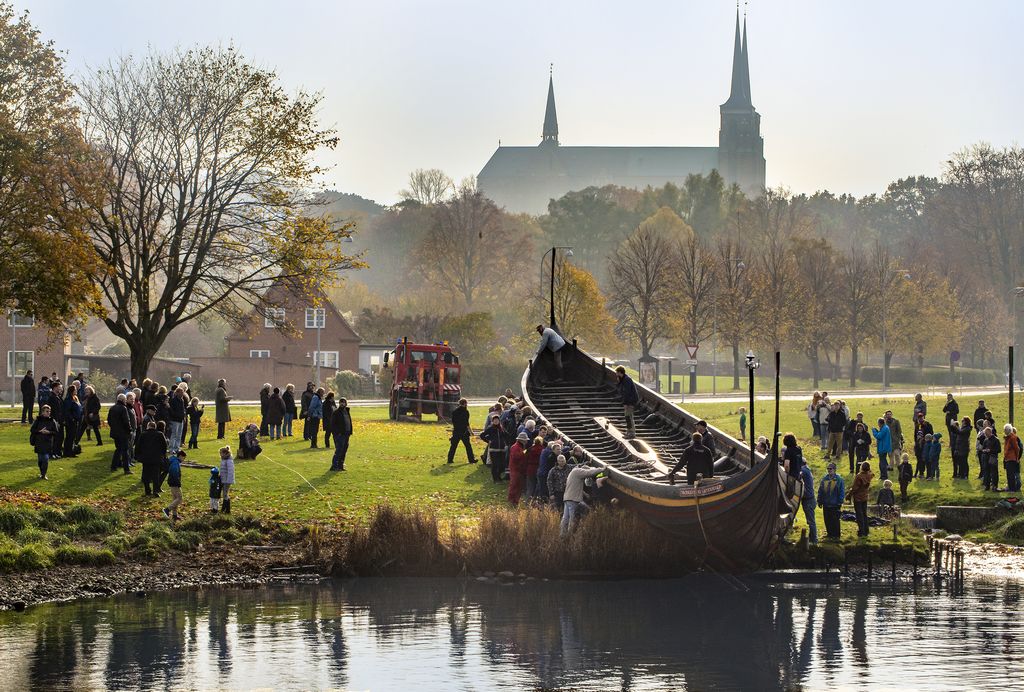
<point x="524" y="540"/>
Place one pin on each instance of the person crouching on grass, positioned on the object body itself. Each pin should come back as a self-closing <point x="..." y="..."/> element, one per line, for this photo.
<point x="174" y="483"/>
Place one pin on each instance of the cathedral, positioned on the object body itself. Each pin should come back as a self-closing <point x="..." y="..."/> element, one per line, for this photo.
<point x="525" y="179"/>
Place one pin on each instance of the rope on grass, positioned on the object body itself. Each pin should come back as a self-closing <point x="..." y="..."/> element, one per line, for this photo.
<point x="306" y="480"/>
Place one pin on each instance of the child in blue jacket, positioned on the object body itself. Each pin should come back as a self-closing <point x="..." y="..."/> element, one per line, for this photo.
<point x="931" y="451"/>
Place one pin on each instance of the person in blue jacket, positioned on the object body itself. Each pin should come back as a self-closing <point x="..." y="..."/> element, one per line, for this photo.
<point x="630" y="398"/>
<point x="807" y="501"/>
<point x="930" y="452"/>
<point x="174" y="483"/>
<point x="831" y="494"/>
<point x="883" y="445"/>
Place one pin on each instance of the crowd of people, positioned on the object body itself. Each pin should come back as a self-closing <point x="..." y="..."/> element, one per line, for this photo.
<point x="147" y="425"/>
<point x="541" y="467"/>
<point x="842" y="434"/>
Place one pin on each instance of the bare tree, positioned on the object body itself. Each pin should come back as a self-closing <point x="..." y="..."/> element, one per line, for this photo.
<point x="428" y="186"/>
<point x="736" y="308"/>
<point x="774" y="220"/>
<point x="695" y="284"/>
<point x="206" y="159"/>
<point x="465" y="251"/>
<point x="857" y="301"/>
<point x="641" y="287"/>
<point x="814" y="327"/>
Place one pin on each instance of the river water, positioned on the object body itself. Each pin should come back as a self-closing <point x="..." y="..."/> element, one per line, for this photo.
<point x="441" y="634"/>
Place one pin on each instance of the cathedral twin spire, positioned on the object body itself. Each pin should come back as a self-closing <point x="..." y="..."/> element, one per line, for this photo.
<point x="739" y="95"/>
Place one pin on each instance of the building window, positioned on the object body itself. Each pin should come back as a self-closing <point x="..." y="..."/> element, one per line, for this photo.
<point x="327" y="359"/>
<point x="259" y="353"/>
<point x="16" y="319"/>
<point x="20" y="362"/>
<point x="315" y="318"/>
<point x="273" y="317"/>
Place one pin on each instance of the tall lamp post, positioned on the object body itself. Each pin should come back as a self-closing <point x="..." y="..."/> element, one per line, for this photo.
<point x="740" y="266"/>
<point x="885" y="360"/>
<point x="554" y="251"/>
<point x="752" y="365"/>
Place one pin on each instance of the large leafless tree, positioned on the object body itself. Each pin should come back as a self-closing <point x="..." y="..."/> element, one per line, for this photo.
<point x="207" y="161"/>
<point x="640" y="278"/>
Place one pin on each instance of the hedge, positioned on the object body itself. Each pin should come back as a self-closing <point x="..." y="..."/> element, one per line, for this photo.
<point x="491" y="376"/>
<point x="933" y="376"/>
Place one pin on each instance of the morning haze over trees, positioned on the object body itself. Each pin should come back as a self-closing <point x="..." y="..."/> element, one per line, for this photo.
<point x="174" y="188"/>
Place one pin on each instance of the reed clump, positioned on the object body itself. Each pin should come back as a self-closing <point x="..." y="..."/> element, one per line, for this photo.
<point x="526" y="540"/>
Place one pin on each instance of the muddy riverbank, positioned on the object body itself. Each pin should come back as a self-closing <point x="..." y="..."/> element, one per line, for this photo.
<point x="233" y="566"/>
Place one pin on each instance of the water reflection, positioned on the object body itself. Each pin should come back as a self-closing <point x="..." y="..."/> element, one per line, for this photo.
<point x="693" y="633"/>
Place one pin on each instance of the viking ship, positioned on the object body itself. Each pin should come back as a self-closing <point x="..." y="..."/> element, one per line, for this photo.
<point x="731" y="521"/>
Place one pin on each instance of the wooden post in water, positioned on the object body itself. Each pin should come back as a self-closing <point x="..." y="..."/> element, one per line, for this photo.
<point x="894" y="549"/>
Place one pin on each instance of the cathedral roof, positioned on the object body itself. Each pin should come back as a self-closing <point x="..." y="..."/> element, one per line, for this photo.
<point x="598" y="163"/>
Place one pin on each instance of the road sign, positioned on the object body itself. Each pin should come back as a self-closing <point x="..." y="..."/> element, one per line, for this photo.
<point x="954" y="357"/>
<point x="692" y="350"/>
<point x="691" y="362"/>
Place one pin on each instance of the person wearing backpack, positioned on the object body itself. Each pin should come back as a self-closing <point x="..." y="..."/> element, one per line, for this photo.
<point x="1011" y="458"/>
<point x="174" y="483"/>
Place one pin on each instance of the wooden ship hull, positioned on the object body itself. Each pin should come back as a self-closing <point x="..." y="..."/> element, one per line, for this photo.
<point x="730" y="522"/>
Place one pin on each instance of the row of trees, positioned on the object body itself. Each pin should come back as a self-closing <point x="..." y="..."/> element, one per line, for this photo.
<point x="156" y="192"/>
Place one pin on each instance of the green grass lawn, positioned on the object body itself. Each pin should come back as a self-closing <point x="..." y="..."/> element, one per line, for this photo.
<point x="404" y="464"/>
<point x="401" y="463"/>
<point x="924" y="495"/>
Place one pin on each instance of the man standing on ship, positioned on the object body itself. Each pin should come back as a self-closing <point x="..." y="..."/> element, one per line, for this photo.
<point x="552" y="341"/>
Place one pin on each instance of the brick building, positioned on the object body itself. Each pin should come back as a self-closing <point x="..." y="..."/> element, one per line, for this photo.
<point x="282" y="343"/>
<point x="27" y="347"/>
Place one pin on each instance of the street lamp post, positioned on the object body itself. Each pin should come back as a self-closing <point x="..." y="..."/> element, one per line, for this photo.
<point x="885" y="360"/>
<point x="554" y="251"/>
<point x="752" y="365"/>
<point x="740" y="266"/>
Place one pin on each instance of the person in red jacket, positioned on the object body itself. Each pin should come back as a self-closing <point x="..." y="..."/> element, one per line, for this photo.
<point x="517" y="468"/>
<point x="533" y="465"/>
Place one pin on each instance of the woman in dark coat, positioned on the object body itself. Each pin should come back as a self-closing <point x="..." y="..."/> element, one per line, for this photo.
<point x="275" y="413"/>
<point x="264" y="398"/>
<point x="72" y="421"/>
<point x="223" y="409"/>
<point x="91" y="419"/>
<point x="330" y="405"/>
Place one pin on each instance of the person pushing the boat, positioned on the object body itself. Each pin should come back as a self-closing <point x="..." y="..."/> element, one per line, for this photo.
<point x="698" y="461"/>
<point x="630" y="398"/>
<point x="552" y="341"/>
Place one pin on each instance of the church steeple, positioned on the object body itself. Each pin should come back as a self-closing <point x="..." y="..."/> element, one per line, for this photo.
<point x="550" y="134"/>
<point x="739" y="95"/>
<point x="740" y="145"/>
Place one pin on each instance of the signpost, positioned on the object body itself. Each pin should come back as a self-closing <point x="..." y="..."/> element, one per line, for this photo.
<point x="691" y="351"/>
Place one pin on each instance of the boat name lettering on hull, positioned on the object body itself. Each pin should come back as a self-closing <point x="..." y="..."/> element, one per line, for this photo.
<point x="702" y="491"/>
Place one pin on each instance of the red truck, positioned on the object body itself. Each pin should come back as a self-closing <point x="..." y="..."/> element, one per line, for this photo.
<point x="423" y="378"/>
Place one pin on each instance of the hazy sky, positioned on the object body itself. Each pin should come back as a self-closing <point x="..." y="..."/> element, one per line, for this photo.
<point x="852" y="94"/>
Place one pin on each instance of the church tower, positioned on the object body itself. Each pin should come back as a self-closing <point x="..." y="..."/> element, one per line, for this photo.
<point x="550" y="134"/>
<point x="740" y="145"/>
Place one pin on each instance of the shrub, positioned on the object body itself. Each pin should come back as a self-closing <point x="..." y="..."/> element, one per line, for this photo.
<point x="491" y="376"/>
<point x="82" y="555"/>
<point x="32" y="556"/>
<point x="348" y="384"/>
<point x="14" y="519"/>
<point x="103" y="383"/>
